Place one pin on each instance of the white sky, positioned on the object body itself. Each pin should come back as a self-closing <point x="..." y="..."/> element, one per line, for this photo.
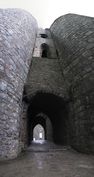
<point x="46" y="11"/>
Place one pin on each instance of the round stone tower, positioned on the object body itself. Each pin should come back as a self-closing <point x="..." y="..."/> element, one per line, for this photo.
<point x="74" y="39"/>
<point x="17" y="38"/>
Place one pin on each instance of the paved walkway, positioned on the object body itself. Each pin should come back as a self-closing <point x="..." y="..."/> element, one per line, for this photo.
<point x="49" y="162"/>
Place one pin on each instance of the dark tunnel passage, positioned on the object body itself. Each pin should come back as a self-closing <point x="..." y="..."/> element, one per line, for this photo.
<point x="54" y="108"/>
<point x="35" y="121"/>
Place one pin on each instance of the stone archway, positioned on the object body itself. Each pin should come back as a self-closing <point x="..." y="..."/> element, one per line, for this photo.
<point x="38" y="133"/>
<point x="53" y="107"/>
<point x="46" y="123"/>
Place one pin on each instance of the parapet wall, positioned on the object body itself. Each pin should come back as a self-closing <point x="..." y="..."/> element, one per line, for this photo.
<point x="18" y="31"/>
<point x="74" y="39"/>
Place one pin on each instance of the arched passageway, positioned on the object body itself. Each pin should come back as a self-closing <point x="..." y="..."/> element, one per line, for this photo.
<point x="38" y="133"/>
<point x="45" y="53"/>
<point x="55" y="121"/>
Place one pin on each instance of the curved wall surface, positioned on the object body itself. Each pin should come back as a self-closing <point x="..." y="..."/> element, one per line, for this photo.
<point x="17" y="38"/>
<point x="74" y="40"/>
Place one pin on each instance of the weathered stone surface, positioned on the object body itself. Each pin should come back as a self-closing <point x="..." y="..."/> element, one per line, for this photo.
<point x="74" y="39"/>
<point x="63" y="82"/>
<point x="49" y="160"/>
<point x="45" y="76"/>
<point x="48" y="40"/>
<point x="17" y="37"/>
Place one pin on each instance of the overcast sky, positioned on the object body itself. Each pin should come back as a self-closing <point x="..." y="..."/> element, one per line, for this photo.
<point x="46" y="11"/>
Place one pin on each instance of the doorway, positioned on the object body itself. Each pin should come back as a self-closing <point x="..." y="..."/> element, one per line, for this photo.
<point x="44" y="51"/>
<point x="38" y="134"/>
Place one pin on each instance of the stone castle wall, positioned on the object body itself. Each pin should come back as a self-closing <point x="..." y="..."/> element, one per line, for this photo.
<point x="69" y="76"/>
<point x="45" y="76"/>
<point x="74" y="39"/>
<point x="48" y="41"/>
<point x="17" y="38"/>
